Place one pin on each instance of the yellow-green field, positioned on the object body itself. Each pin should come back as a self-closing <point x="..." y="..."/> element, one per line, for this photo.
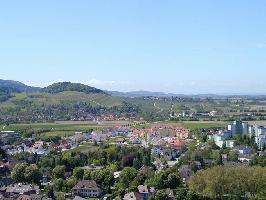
<point x="62" y="129"/>
<point x="196" y="124"/>
<point x="86" y="147"/>
<point x="199" y="125"/>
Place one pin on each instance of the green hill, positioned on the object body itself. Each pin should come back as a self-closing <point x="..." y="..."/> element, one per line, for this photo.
<point x="68" y="86"/>
<point x="16" y="86"/>
<point x="59" y="106"/>
<point x="74" y="101"/>
<point x="8" y="87"/>
<point x="61" y="101"/>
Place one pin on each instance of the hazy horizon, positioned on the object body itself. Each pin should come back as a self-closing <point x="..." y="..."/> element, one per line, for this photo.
<point x="182" y="47"/>
<point x="137" y="91"/>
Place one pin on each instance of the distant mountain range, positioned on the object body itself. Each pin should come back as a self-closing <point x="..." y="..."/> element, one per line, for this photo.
<point x="75" y="101"/>
<point x="16" y="86"/>
<point x="138" y="94"/>
<point x="142" y="94"/>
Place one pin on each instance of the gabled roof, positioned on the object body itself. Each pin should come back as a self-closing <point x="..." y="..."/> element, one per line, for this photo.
<point x="24" y="197"/>
<point x="132" y="196"/>
<point x="37" y="197"/>
<point x="86" y="184"/>
<point x="78" y="198"/>
<point x="145" y="189"/>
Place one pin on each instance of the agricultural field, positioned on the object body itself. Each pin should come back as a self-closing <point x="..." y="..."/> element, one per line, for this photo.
<point x="66" y="128"/>
<point x="200" y="125"/>
<point x="86" y="147"/>
<point x="192" y="125"/>
<point x="53" y="127"/>
<point x="48" y="130"/>
<point x="52" y="134"/>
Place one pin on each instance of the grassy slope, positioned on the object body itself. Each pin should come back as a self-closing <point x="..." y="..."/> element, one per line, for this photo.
<point x="63" y="97"/>
<point x="158" y="109"/>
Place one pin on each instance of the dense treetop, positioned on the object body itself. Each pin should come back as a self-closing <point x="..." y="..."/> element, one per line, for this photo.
<point x="230" y="182"/>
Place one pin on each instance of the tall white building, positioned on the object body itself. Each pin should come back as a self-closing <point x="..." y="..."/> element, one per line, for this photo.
<point x="251" y="131"/>
<point x="221" y="138"/>
<point x="245" y="128"/>
<point x="259" y="130"/>
<point x="261" y="141"/>
<point x="239" y="128"/>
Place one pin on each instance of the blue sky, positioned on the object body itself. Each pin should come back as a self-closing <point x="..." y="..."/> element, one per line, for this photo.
<point x="176" y="46"/>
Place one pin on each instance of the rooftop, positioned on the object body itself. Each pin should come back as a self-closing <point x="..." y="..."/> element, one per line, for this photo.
<point x="86" y="184"/>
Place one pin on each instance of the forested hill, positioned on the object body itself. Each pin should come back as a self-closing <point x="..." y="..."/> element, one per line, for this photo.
<point x="4" y="94"/>
<point x="8" y="88"/>
<point x="62" y="101"/>
<point x="68" y="86"/>
<point x="16" y="86"/>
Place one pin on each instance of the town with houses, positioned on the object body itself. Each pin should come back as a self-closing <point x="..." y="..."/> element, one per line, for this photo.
<point x="169" y="148"/>
<point x="132" y="100"/>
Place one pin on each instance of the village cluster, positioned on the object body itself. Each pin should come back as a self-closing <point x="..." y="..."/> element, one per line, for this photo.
<point x="168" y="143"/>
<point x="158" y="135"/>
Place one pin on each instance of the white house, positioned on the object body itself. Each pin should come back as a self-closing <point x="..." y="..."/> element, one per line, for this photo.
<point x="221" y="138"/>
<point x="87" y="188"/>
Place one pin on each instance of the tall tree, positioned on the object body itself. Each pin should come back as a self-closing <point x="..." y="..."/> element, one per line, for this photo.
<point x="78" y="173"/>
<point x="33" y="174"/>
<point x="18" y="173"/>
<point x="127" y="175"/>
<point x="59" y="172"/>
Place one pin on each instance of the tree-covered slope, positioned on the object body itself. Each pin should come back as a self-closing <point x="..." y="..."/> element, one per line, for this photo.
<point x="68" y="86"/>
<point x="15" y="86"/>
<point x="4" y="94"/>
<point x="65" y="105"/>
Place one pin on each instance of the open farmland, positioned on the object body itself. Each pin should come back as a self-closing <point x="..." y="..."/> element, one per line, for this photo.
<point x="86" y="147"/>
<point x="61" y="129"/>
<point x="196" y="124"/>
<point x="204" y="124"/>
